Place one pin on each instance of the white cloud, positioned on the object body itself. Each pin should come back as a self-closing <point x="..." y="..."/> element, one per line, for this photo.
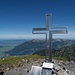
<point x="19" y="36"/>
<point x="70" y="35"/>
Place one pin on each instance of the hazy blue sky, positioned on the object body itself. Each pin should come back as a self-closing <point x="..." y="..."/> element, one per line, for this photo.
<point x="18" y="17"/>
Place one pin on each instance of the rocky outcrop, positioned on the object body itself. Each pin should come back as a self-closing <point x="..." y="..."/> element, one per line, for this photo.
<point x="24" y="67"/>
<point x="64" y="68"/>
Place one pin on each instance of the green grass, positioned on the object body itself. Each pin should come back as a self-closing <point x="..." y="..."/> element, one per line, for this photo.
<point x="14" y="59"/>
<point x="17" y="61"/>
<point x="60" y="58"/>
<point x="9" y="61"/>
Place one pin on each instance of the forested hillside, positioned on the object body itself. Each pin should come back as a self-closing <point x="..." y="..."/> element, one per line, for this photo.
<point x="31" y="46"/>
<point x="67" y="52"/>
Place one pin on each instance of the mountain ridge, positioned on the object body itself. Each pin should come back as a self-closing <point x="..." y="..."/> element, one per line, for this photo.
<point x="31" y="46"/>
<point x="67" y="53"/>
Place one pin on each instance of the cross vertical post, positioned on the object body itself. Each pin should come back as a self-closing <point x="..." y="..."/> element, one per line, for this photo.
<point x="50" y="47"/>
<point x="48" y="31"/>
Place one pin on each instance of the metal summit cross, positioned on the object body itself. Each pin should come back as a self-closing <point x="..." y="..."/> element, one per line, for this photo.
<point x="48" y="31"/>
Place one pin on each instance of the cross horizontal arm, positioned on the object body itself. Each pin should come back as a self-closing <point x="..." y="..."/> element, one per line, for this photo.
<point x="59" y="31"/>
<point x="37" y="29"/>
<point x="38" y="33"/>
<point x="65" y="27"/>
<point x="33" y="32"/>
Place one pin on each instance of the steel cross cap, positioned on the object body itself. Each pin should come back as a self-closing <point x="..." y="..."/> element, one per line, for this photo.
<point x="48" y="31"/>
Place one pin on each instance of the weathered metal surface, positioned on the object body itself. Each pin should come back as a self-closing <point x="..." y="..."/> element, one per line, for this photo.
<point x="48" y="31"/>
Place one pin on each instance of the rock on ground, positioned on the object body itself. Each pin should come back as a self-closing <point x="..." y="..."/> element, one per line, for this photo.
<point x="60" y="68"/>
